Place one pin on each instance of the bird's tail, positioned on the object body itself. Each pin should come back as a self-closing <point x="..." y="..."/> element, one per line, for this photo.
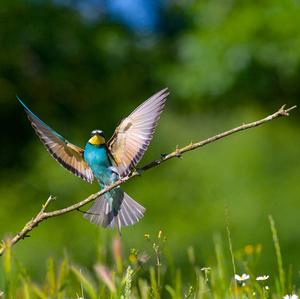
<point x="115" y="208"/>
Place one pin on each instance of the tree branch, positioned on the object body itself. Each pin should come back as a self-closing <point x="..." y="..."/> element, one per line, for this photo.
<point x="178" y="152"/>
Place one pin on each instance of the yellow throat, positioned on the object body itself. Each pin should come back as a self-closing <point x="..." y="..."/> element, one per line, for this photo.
<point x="97" y="140"/>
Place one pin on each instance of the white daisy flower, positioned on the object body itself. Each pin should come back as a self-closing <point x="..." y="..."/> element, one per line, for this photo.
<point x="242" y="278"/>
<point x="290" y="297"/>
<point x="263" y="277"/>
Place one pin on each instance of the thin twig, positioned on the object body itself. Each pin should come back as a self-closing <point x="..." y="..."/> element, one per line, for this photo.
<point x="177" y="153"/>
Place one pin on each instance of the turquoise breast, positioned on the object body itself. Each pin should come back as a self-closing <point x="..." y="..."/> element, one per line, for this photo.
<point x="98" y="160"/>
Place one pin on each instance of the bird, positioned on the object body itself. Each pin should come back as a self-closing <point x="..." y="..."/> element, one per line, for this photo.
<point x="106" y="161"/>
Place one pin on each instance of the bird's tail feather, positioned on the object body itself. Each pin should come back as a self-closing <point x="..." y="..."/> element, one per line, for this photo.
<point x="115" y="208"/>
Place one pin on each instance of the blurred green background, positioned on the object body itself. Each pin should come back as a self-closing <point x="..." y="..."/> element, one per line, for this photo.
<point x="82" y="65"/>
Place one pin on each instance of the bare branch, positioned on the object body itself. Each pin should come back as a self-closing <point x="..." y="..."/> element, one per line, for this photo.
<point x="177" y="153"/>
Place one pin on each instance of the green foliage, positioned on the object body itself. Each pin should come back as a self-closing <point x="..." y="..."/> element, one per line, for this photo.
<point x="281" y="282"/>
<point x="226" y="62"/>
<point x="85" y="283"/>
<point x="140" y="279"/>
<point x="233" y="47"/>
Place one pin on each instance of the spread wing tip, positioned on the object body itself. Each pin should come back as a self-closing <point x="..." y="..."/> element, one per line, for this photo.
<point x="133" y="135"/>
<point x="161" y="96"/>
<point x="23" y="104"/>
<point x="65" y="153"/>
<point x="162" y="93"/>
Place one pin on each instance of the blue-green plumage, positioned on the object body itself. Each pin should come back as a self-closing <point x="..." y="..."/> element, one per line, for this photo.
<point x="114" y="207"/>
<point x="107" y="161"/>
<point x="98" y="159"/>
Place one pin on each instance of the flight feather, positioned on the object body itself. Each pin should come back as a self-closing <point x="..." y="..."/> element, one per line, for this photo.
<point x="67" y="154"/>
<point x="132" y="137"/>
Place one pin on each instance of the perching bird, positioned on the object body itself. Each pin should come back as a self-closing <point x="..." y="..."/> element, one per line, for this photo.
<point x="107" y="161"/>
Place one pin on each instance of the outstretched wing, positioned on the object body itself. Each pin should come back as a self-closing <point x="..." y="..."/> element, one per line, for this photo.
<point x="67" y="154"/>
<point x="132" y="137"/>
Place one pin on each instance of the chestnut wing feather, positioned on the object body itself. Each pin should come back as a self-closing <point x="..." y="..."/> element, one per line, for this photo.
<point x="65" y="153"/>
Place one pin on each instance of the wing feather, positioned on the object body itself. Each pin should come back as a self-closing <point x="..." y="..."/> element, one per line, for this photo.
<point x="65" y="153"/>
<point x="133" y="136"/>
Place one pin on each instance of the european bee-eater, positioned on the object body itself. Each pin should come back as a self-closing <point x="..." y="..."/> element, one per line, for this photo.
<point x="107" y="161"/>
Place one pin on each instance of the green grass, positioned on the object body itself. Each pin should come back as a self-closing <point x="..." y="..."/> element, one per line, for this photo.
<point x="153" y="274"/>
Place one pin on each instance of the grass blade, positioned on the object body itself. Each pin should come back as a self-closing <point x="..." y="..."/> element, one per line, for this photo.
<point x="278" y="255"/>
<point x="86" y="284"/>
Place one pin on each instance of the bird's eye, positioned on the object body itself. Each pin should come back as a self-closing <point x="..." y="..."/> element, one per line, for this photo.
<point x="97" y="132"/>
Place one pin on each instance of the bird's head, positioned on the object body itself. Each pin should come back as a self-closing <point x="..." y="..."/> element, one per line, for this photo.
<point x="97" y="137"/>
